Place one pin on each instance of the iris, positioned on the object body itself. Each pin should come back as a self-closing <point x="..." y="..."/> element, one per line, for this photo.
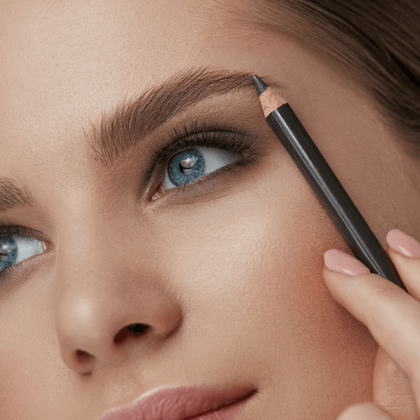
<point x="8" y="252"/>
<point x="186" y="167"/>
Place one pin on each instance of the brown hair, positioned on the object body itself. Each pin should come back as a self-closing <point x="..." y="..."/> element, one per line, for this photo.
<point x="377" y="42"/>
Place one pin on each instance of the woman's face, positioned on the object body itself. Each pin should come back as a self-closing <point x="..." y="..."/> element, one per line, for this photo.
<point x="227" y="272"/>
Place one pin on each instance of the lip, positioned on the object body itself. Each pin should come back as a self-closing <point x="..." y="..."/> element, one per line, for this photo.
<point x="183" y="403"/>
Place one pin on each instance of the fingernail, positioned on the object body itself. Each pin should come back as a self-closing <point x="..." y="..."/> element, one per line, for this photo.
<point x="343" y="263"/>
<point x="402" y="243"/>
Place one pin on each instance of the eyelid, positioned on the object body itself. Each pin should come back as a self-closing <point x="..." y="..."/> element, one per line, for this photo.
<point x="10" y="229"/>
<point x="208" y="187"/>
<point x="195" y="134"/>
<point x="7" y="227"/>
<point x="187" y="134"/>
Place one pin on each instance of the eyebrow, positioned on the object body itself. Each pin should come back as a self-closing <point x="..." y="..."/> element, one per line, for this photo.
<point x="128" y="123"/>
<point x="12" y="195"/>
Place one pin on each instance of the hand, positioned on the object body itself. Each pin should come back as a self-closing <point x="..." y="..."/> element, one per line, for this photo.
<point x="393" y="318"/>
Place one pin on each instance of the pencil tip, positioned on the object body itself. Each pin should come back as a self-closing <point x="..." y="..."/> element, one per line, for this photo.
<point x="259" y="84"/>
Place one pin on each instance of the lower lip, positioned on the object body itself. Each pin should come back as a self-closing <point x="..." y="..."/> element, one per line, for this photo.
<point x="225" y="413"/>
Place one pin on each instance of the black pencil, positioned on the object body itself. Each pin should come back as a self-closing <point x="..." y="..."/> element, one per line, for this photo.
<point x="330" y="193"/>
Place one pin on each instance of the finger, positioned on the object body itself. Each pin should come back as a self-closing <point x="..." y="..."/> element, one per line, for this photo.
<point x="392" y="390"/>
<point x="391" y="315"/>
<point x="364" y="411"/>
<point x="404" y="252"/>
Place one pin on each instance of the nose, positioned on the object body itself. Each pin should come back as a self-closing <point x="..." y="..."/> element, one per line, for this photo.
<point x="113" y="300"/>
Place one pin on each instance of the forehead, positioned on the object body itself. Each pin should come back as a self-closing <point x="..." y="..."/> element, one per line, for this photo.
<point x="73" y="35"/>
<point x="64" y="62"/>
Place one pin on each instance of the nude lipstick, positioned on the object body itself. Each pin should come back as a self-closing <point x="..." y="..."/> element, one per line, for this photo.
<point x="184" y="403"/>
<point x="327" y="188"/>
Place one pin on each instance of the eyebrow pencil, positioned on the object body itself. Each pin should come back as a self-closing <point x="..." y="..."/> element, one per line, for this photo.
<point x="330" y="193"/>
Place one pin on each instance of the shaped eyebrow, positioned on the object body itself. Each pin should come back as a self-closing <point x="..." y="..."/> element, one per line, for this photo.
<point x="12" y="195"/>
<point x="131" y="121"/>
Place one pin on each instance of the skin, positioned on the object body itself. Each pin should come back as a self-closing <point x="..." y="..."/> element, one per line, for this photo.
<point x="231" y="282"/>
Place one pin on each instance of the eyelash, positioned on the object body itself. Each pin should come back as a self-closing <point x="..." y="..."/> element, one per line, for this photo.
<point x="206" y="135"/>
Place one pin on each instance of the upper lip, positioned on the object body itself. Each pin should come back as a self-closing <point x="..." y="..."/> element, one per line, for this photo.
<point x="178" y="403"/>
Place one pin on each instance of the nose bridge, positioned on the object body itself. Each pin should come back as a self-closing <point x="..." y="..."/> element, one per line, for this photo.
<point x="85" y="271"/>
<point x="83" y="242"/>
<point x="95" y="244"/>
<point x="93" y="254"/>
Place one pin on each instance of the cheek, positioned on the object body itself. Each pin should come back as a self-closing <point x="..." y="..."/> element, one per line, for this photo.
<point x="13" y="377"/>
<point x="23" y="371"/>
<point x="262" y="245"/>
<point x="34" y="382"/>
<point x="251" y="278"/>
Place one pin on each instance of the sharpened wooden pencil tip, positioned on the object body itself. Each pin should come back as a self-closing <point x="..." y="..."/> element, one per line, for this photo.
<point x="259" y="84"/>
<point x="270" y="101"/>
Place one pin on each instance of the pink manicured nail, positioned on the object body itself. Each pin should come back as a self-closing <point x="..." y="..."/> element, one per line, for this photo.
<point x="343" y="263"/>
<point x="402" y="243"/>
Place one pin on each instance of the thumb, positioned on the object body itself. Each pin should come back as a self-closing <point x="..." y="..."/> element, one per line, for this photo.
<point x="392" y="390"/>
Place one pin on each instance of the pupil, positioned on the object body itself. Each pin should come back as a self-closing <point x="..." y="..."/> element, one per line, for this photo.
<point x="186" y="167"/>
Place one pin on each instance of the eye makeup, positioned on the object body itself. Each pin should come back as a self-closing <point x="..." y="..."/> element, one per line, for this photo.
<point x="193" y="134"/>
<point x="327" y="188"/>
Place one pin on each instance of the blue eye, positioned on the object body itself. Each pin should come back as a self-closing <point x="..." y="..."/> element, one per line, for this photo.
<point x="188" y="155"/>
<point x="189" y="165"/>
<point x="16" y="248"/>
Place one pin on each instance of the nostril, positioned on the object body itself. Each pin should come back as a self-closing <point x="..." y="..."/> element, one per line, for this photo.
<point x="82" y="357"/>
<point x="137" y="328"/>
